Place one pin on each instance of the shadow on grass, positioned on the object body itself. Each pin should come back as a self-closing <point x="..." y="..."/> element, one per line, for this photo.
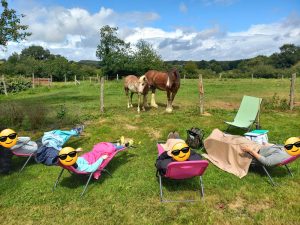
<point x="274" y="171"/>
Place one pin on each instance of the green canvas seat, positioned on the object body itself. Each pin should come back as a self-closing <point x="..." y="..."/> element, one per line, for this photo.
<point x="247" y="114"/>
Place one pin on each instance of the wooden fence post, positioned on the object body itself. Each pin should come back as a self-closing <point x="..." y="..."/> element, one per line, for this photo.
<point x="220" y="76"/>
<point x="251" y="76"/>
<point x="50" y="84"/>
<point x="32" y="80"/>
<point x="201" y="94"/>
<point x="4" y="85"/>
<point x="101" y="94"/>
<point x="75" y="80"/>
<point x="292" y="91"/>
<point x="65" y="78"/>
<point x="184" y="78"/>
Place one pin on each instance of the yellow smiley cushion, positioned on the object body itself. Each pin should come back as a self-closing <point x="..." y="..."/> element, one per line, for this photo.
<point x="180" y="152"/>
<point x="68" y="156"/>
<point x="292" y="146"/>
<point x="8" y="138"/>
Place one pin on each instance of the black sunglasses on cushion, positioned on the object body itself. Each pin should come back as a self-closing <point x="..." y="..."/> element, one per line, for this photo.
<point x="10" y="136"/>
<point x="184" y="150"/>
<point x="290" y="146"/>
<point x="64" y="156"/>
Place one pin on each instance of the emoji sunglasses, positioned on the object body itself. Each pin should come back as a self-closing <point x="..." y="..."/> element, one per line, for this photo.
<point x="184" y="150"/>
<point x="64" y="156"/>
<point x="290" y="146"/>
<point x="10" y="136"/>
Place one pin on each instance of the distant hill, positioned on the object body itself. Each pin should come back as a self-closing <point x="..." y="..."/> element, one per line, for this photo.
<point x="90" y="63"/>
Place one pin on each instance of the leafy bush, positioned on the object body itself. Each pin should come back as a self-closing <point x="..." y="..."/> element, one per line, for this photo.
<point x="276" y="103"/>
<point x="23" y="115"/>
<point x="14" y="85"/>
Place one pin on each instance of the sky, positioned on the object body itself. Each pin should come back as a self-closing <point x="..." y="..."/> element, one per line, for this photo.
<point x="177" y="29"/>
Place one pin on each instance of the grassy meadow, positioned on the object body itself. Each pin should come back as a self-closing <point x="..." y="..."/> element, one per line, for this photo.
<point x="131" y="196"/>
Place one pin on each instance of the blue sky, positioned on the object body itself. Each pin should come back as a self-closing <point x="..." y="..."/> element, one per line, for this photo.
<point x="183" y="30"/>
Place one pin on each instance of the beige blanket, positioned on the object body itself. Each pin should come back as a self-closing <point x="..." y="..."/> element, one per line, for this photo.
<point x="224" y="150"/>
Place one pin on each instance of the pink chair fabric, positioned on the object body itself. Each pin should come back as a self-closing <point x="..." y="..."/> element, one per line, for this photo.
<point x="289" y="160"/>
<point x="102" y="148"/>
<point x="184" y="170"/>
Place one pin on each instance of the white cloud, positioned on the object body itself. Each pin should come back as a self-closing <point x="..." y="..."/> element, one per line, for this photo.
<point x="183" y="8"/>
<point x="74" y="33"/>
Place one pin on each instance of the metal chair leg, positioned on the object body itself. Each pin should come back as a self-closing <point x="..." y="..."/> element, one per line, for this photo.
<point x="57" y="180"/>
<point x="290" y="172"/>
<point x="160" y="188"/>
<point x="26" y="162"/>
<point x="87" y="183"/>
<point x="266" y="171"/>
<point x="105" y="170"/>
<point x="201" y="186"/>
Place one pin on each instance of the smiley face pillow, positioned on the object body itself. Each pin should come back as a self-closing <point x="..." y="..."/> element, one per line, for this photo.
<point x="8" y="138"/>
<point x="177" y="149"/>
<point x="68" y="156"/>
<point x="292" y="146"/>
<point x="180" y="152"/>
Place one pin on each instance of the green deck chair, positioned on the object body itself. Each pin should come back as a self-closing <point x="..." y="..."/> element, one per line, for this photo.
<point x="248" y="113"/>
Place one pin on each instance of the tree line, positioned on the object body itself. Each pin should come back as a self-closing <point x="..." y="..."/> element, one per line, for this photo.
<point x="40" y="62"/>
<point x="118" y="57"/>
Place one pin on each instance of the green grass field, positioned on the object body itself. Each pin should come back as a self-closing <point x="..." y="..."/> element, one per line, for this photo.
<point x="131" y="196"/>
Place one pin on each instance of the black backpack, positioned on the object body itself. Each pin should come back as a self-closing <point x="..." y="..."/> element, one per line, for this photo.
<point x="195" y="137"/>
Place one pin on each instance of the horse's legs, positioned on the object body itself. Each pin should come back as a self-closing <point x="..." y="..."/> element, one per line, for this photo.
<point x="144" y="102"/>
<point x="172" y="99"/>
<point x="169" y="102"/>
<point x="139" y="100"/>
<point x="128" y="100"/>
<point x="130" y="106"/>
<point x="153" y="103"/>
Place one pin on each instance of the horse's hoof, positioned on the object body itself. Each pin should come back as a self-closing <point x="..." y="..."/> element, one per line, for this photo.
<point x="169" y="110"/>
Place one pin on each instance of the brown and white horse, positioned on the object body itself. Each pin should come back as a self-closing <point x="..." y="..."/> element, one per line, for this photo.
<point x="165" y="81"/>
<point x="136" y="85"/>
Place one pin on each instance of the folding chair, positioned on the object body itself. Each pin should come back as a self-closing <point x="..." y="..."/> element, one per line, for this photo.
<point x="180" y="171"/>
<point x="29" y="155"/>
<point x="255" y="162"/>
<point x="96" y="174"/>
<point x="248" y="113"/>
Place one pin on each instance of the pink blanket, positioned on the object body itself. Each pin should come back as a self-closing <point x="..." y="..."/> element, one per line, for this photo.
<point x="102" y="148"/>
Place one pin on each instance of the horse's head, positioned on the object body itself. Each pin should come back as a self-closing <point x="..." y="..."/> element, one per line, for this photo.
<point x="143" y="84"/>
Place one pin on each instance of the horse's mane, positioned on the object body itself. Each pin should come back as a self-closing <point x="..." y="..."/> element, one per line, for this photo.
<point x="173" y="73"/>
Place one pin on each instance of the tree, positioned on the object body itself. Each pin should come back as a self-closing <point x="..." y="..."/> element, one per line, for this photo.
<point x="36" y="52"/>
<point x="191" y="68"/>
<point x="145" y="58"/>
<point x="288" y="56"/>
<point x="14" y="58"/>
<point x="59" y="68"/>
<point x="112" y="51"/>
<point x="10" y="26"/>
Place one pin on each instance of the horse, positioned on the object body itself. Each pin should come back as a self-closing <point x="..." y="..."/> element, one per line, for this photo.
<point x="136" y="85"/>
<point x="165" y="81"/>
